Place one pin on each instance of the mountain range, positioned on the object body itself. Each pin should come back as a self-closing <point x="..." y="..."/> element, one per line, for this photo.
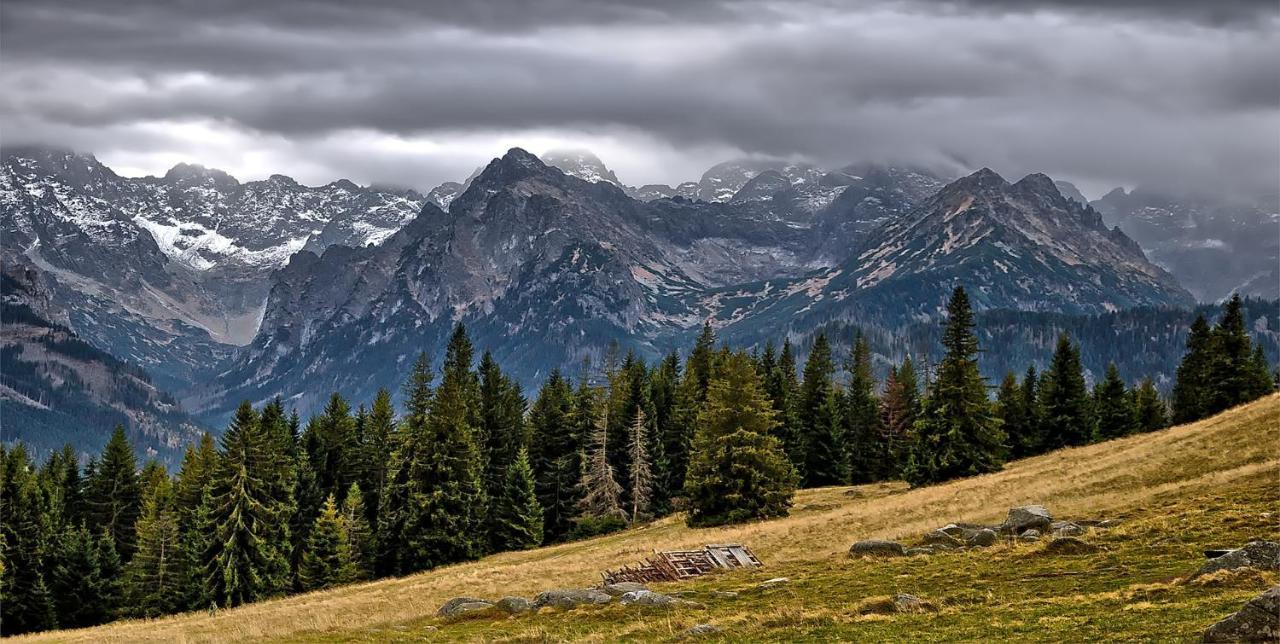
<point x="223" y="290"/>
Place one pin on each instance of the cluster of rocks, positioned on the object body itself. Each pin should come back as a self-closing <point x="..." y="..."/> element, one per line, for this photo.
<point x="627" y="593"/>
<point x="1258" y="620"/>
<point x="1026" y="524"/>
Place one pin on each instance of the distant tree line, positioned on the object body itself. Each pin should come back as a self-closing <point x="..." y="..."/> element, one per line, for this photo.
<point x="468" y="467"/>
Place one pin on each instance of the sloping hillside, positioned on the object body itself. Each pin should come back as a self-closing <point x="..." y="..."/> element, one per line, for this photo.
<point x="1177" y="492"/>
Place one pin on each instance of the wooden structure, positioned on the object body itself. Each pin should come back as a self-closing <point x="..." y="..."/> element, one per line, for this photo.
<point x="674" y="565"/>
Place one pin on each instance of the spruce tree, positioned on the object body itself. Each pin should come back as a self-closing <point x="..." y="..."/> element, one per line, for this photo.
<point x="244" y="563"/>
<point x="1149" y="409"/>
<point x="640" y="475"/>
<point x="357" y="538"/>
<point x="520" y="524"/>
<point x="330" y="442"/>
<point x="866" y="445"/>
<point x="738" y="471"/>
<point x="820" y="421"/>
<point x="322" y="561"/>
<point x="554" y="454"/>
<point x="1064" y="399"/>
<point x="1191" y="388"/>
<point x="444" y="519"/>
<point x="378" y="443"/>
<point x="26" y="604"/>
<point x="664" y="383"/>
<point x="690" y="396"/>
<point x="154" y="581"/>
<point x="503" y="432"/>
<point x="1009" y="409"/>
<point x="783" y="388"/>
<point x="115" y="494"/>
<point x="1260" y="379"/>
<point x="111" y="571"/>
<point x="1028" y="438"/>
<point x="75" y="581"/>
<point x="957" y="433"/>
<point x="1113" y="407"/>
<point x="898" y="410"/>
<point x="403" y="491"/>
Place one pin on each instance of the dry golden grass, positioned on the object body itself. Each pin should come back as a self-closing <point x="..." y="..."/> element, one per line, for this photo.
<point x="1097" y="480"/>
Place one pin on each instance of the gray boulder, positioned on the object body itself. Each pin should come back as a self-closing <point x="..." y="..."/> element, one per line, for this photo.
<point x="701" y="629"/>
<point x="1067" y="529"/>
<point x="514" y="605"/>
<point x="571" y="598"/>
<point x="1258" y="621"/>
<point x="1030" y="536"/>
<point x="938" y="537"/>
<point x="983" y="538"/>
<point x="877" y="548"/>
<point x="1024" y="518"/>
<point x="647" y="598"/>
<point x="623" y="587"/>
<point x="1069" y="546"/>
<point x="460" y="605"/>
<point x="1262" y="555"/>
<point x="920" y="550"/>
<point x="960" y="530"/>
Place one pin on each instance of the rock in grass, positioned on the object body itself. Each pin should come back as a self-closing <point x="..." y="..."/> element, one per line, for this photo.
<point x="983" y="538"/>
<point x="460" y="605"/>
<point x="571" y="598"/>
<point x="938" y="537"/>
<point x="623" y="587"/>
<point x="1030" y="536"/>
<point x="724" y="594"/>
<point x="1069" y="546"/>
<point x="1258" y="621"/>
<point x="647" y="598"/>
<point x="1024" y="518"/>
<point x="921" y="550"/>
<point x="701" y="629"/>
<point x="1262" y="555"/>
<point x="514" y="605"/>
<point x="1067" y="529"/>
<point x="877" y="548"/>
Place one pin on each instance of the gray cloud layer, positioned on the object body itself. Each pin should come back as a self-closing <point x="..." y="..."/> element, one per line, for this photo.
<point x="1170" y="93"/>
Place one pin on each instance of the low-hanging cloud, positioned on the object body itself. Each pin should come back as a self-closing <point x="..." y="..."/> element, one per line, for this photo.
<point x="1170" y="94"/>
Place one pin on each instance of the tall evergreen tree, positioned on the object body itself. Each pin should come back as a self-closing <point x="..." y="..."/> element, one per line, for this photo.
<point x="898" y="410"/>
<point x="1114" y="407"/>
<point x="555" y="453"/>
<point x="502" y="429"/>
<point x="1009" y="409"/>
<point x="820" y="421"/>
<point x="738" y="470"/>
<point x="244" y="563"/>
<point x="690" y="396"/>
<point x="330" y="442"/>
<point x="1064" y="399"/>
<point x="326" y="550"/>
<point x="357" y="537"/>
<point x="1191" y="388"/>
<point x="1261" y="380"/>
<point x="783" y="388"/>
<point x="1149" y="408"/>
<point x="403" y="490"/>
<point x="154" y="575"/>
<point x="115" y="494"/>
<point x="75" y="581"/>
<point x="865" y="441"/>
<point x="664" y="386"/>
<point x="444" y="519"/>
<point x="26" y="603"/>
<point x="957" y="434"/>
<point x="379" y="441"/>
<point x="193" y="505"/>
<point x="520" y="524"/>
<point x="1027" y="438"/>
<point x="1230" y="369"/>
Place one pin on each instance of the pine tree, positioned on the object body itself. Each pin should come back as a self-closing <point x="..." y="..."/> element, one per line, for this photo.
<point x="554" y="454"/>
<point x="502" y="428"/>
<point x="1230" y="363"/>
<point x="1149" y="408"/>
<point x="899" y="409"/>
<point x="865" y="441"/>
<point x="1260" y="379"/>
<point x="26" y="604"/>
<point x="357" y="539"/>
<point x="115" y="494"/>
<point x="154" y="575"/>
<point x="1027" y="438"/>
<point x="520" y="525"/>
<point x="244" y="563"/>
<point x="1064" y="399"/>
<point x="1190" y="390"/>
<point x="1114" y="407"/>
<point x="322" y="561"/>
<point x="784" y="390"/>
<point x="377" y="445"/>
<point x="957" y="433"/>
<point x="444" y="517"/>
<point x="75" y="581"/>
<point x="640" y="477"/>
<point x="738" y="471"/>
<point x="403" y="490"/>
<point x="330" y="442"/>
<point x="601" y="493"/>
<point x="191" y="503"/>
<point x="820" y="420"/>
<point x="111" y="572"/>
<point x="690" y="396"/>
<point x="1009" y="409"/>
<point x="663" y="388"/>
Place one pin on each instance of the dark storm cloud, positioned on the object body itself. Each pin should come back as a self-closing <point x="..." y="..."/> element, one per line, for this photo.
<point x="1136" y="91"/>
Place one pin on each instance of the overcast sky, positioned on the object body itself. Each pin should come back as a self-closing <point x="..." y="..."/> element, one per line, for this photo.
<point x="1102" y="92"/>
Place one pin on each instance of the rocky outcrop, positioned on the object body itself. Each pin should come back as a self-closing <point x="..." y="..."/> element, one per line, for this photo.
<point x="1258" y="621"/>
<point x="877" y="548"/>
<point x="1261" y="555"/>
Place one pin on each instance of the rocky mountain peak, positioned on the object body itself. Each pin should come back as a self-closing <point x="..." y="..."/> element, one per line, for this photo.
<point x="191" y="174"/>
<point x="582" y="164"/>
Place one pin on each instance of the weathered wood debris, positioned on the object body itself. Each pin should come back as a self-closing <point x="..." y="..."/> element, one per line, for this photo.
<point x="673" y="565"/>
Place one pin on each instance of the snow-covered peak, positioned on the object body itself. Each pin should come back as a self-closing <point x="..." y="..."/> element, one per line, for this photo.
<point x="582" y="164"/>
